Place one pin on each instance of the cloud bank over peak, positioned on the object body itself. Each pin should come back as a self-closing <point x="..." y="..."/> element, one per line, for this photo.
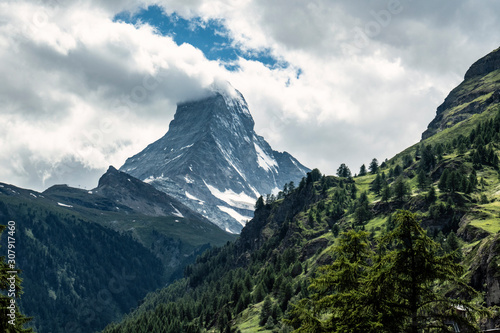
<point x="350" y="81"/>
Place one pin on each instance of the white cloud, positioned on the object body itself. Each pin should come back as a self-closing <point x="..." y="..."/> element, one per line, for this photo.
<point x="82" y="91"/>
<point x="87" y="91"/>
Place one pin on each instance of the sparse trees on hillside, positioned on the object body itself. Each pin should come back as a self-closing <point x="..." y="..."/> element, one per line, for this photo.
<point x="456" y="181"/>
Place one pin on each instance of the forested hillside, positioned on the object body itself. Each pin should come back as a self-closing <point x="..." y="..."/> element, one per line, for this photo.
<point x="450" y="182"/>
<point x="252" y="284"/>
<point x="86" y="260"/>
<point x="93" y="275"/>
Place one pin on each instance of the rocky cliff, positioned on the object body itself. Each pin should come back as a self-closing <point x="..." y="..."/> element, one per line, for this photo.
<point x="479" y="91"/>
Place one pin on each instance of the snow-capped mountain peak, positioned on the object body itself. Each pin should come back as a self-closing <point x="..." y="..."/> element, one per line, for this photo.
<point x="212" y="160"/>
<point x="232" y="97"/>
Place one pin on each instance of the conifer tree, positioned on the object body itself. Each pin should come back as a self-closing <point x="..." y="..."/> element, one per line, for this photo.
<point x="407" y="160"/>
<point x="391" y="173"/>
<point x="473" y="179"/>
<point x="412" y="278"/>
<point x="421" y="179"/>
<point x="259" y="293"/>
<point x="354" y="191"/>
<point x="443" y="180"/>
<point x="398" y="170"/>
<point x="439" y="151"/>
<point x="266" y="311"/>
<point x="386" y="193"/>
<point x="431" y="194"/>
<point x="373" y="166"/>
<point x="362" y="170"/>
<point x="428" y="160"/>
<point x="334" y="305"/>
<point x="400" y="189"/>
<point x="403" y="286"/>
<point x="362" y="212"/>
<point x="377" y="184"/>
<point x="343" y="171"/>
<point x="260" y="203"/>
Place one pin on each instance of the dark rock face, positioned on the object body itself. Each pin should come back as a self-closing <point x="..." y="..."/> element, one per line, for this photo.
<point x="485" y="65"/>
<point x="140" y="197"/>
<point x="485" y="271"/>
<point x="479" y="90"/>
<point x="212" y="160"/>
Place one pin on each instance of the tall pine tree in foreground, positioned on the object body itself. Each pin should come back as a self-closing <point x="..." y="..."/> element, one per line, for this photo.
<point x="417" y="286"/>
<point x="403" y="286"/>
<point x="334" y="305"/>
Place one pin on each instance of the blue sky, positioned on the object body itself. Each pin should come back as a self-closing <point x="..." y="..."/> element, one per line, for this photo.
<point x="211" y="37"/>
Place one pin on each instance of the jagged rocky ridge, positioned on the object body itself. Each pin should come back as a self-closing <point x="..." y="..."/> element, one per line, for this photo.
<point x="479" y="91"/>
<point x="141" y="197"/>
<point x="212" y="160"/>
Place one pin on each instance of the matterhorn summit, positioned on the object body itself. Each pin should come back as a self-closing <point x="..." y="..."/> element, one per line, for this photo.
<point x="212" y="160"/>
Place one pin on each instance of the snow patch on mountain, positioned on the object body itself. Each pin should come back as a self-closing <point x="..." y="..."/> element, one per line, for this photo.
<point x="151" y="179"/>
<point x="235" y="215"/>
<point x="177" y="212"/>
<point x="241" y="200"/>
<point x="265" y="161"/>
<point x="192" y="197"/>
<point x="229" y="159"/>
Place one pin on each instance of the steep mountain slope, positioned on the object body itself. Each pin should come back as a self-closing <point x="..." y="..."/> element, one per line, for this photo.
<point x="476" y="94"/>
<point x="88" y="257"/>
<point x="249" y="286"/>
<point x="123" y="203"/>
<point x="212" y="160"/>
<point x="78" y="275"/>
<point x="451" y="179"/>
<point x="141" y="197"/>
<point x="226" y="287"/>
